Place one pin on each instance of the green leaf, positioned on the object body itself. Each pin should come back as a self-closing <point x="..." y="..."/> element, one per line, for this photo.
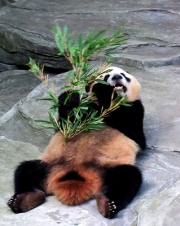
<point x="102" y="81"/>
<point x="83" y="108"/>
<point x="126" y="104"/>
<point x="53" y="96"/>
<point x="79" y="53"/>
<point x="50" y="126"/>
<point x="43" y="121"/>
<point x="46" y="98"/>
<point x="93" y="127"/>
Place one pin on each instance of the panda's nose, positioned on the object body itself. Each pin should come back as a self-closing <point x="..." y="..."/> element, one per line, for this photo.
<point x="117" y="77"/>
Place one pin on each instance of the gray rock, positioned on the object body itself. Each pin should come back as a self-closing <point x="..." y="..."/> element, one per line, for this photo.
<point x="151" y="23"/>
<point x="7" y="67"/>
<point x="52" y="212"/>
<point x="2" y="3"/>
<point x="148" y="55"/>
<point x="15" y="85"/>
<point x="160" y="95"/>
<point x="162" y="208"/>
<point x="152" y="52"/>
<point x="156" y="201"/>
<point x="159" y="163"/>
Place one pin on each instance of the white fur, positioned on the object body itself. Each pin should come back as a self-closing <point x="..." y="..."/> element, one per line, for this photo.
<point x="133" y="87"/>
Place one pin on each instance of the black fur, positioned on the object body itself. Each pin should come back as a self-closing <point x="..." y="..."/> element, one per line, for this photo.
<point x="28" y="184"/>
<point x="127" y="79"/>
<point x="65" y="107"/>
<point x="72" y="176"/>
<point x="29" y="175"/>
<point x="121" y="184"/>
<point x="132" y="127"/>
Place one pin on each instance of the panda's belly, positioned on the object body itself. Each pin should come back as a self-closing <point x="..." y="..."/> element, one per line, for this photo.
<point x="104" y="147"/>
<point x="108" y="147"/>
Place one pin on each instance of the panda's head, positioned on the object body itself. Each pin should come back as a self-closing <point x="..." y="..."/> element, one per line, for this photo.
<point x="123" y="82"/>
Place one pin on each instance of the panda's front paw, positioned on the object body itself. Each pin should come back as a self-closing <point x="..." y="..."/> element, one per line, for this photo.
<point x="108" y="208"/>
<point x="104" y="94"/>
<point x="71" y="101"/>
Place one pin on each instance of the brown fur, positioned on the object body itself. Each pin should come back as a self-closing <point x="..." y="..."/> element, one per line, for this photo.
<point x="103" y="205"/>
<point x="107" y="148"/>
<point x="28" y="200"/>
<point x="73" y="192"/>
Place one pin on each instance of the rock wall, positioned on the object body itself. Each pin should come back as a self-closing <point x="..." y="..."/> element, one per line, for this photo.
<point x="152" y="54"/>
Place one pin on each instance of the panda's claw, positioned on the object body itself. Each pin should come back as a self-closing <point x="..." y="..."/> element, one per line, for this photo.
<point x="112" y="207"/>
<point x="108" y="208"/>
<point x="14" y="203"/>
<point x="26" y="201"/>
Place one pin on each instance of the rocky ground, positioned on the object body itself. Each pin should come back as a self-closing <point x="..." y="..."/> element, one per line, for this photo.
<point x="152" y="54"/>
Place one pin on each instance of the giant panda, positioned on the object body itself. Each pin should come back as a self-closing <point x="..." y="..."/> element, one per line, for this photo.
<point x="92" y="165"/>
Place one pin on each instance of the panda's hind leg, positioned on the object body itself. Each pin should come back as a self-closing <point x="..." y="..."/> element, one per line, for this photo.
<point x="121" y="185"/>
<point x="28" y="186"/>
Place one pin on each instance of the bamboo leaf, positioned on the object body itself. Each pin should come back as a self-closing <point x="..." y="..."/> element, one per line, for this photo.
<point x="78" y="53"/>
<point x="126" y="104"/>
<point x="102" y="81"/>
<point x="46" y="98"/>
<point x="43" y="121"/>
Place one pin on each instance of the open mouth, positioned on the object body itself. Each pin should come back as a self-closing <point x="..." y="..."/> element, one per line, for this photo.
<point x="120" y="87"/>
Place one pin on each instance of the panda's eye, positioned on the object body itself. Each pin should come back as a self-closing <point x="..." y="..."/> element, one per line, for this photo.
<point x="127" y="79"/>
<point x="106" y="77"/>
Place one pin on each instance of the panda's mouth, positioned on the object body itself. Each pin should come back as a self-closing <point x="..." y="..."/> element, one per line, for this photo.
<point x="120" y="87"/>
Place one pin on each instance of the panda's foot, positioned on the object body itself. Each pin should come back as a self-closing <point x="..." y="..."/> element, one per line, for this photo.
<point x="26" y="201"/>
<point x="15" y="203"/>
<point x="108" y="208"/>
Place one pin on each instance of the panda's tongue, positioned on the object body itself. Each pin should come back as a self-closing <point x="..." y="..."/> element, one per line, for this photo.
<point x="118" y="87"/>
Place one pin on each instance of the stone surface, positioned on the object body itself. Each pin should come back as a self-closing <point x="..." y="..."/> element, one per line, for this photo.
<point x="156" y="200"/>
<point x="159" y="163"/>
<point x="52" y="212"/>
<point x="154" y="23"/>
<point x="15" y="85"/>
<point x="7" y="67"/>
<point x="152" y="52"/>
<point x="161" y="95"/>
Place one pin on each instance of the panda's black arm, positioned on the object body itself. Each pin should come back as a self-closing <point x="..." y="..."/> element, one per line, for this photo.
<point x="66" y="106"/>
<point x="136" y="118"/>
<point x="137" y="124"/>
<point x="129" y="120"/>
<point x="104" y="94"/>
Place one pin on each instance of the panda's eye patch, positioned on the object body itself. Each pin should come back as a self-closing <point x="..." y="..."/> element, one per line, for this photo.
<point x="127" y="79"/>
<point x="106" y="77"/>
